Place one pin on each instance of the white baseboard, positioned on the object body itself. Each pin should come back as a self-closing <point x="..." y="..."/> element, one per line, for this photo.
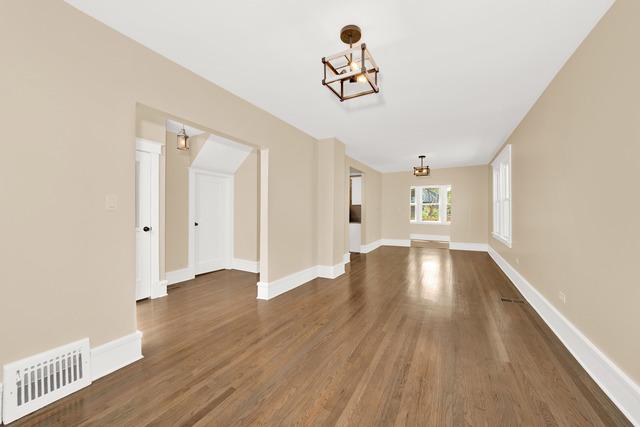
<point x="115" y="354"/>
<point x="277" y="287"/>
<point x="330" y="271"/>
<point x="431" y="237"/>
<point x="1" y="398"/>
<point x="347" y="258"/>
<point x="396" y="242"/>
<point x="159" y="290"/>
<point x="370" y="247"/>
<point x="269" y="290"/>
<point x="245" y="265"/>
<point x="177" y="276"/>
<point x="462" y="246"/>
<point x="621" y="389"/>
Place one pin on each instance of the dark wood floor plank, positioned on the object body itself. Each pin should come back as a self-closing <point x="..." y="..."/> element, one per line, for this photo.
<point x="408" y="337"/>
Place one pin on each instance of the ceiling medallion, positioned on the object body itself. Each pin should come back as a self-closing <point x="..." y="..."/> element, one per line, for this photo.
<point x="421" y="170"/>
<point x="352" y="72"/>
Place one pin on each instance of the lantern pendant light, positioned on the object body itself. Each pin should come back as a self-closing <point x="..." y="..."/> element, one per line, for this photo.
<point x="421" y="170"/>
<point x="353" y="72"/>
<point x="183" y="140"/>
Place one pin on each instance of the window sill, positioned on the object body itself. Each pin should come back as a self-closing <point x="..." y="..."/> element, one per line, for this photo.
<point x="429" y="222"/>
<point x="501" y="239"/>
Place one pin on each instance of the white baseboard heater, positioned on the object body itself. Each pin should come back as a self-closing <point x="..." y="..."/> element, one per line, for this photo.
<point x="36" y="381"/>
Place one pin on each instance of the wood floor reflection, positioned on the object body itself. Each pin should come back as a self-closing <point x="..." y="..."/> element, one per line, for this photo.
<point x="429" y="244"/>
<point x="408" y="336"/>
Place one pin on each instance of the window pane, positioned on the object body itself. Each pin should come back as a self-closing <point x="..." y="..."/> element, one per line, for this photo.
<point x="448" y="213"/>
<point x="430" y="195"/>
<point x="413" y="195"/>
<point x="413" y="213"/>
<point x="430" y="213"/>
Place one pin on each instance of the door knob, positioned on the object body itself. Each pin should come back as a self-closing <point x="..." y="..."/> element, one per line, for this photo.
<point x="145" y="228"/>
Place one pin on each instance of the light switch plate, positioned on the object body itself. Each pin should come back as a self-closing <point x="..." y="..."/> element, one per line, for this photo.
<point x="111" y="202"/>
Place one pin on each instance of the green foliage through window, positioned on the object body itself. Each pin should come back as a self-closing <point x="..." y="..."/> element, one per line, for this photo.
<point x="428" y="206"/>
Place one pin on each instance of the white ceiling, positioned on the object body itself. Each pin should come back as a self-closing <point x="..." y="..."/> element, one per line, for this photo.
<point x="457" y="76"/>
<point x="176" y="127"/>
<point x="219" y="154"/>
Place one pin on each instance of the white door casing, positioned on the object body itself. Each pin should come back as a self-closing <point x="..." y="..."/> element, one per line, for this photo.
<point x="147" y="221"/>
<point x="211" y="208"/>
<point x="143" y="222"/>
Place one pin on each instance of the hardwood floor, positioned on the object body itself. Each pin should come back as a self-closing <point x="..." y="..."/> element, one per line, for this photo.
<point x="429" y="244"/>
<point x="409" y="336"/>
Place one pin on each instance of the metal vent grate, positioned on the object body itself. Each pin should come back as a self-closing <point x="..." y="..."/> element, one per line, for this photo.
<point x="517" y="301"/>
<point x="34" y="382"/>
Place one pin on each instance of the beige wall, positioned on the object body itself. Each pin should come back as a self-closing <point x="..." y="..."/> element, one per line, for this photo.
<point x="576" y="158"/>
<point x="340" y="207"/>
<point x="469" y="206"/>
<point x="371" y="203"/>
<point x="75" y="84"/>
<point x="177" y="205"/>
<point x="331" y="211"/>
<point x="247" y="209"/>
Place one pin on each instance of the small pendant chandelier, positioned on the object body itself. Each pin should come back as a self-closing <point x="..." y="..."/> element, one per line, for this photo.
<point x="421" y="170"/>
<point x="183" y="140"/>
<point x="353" y="72"/>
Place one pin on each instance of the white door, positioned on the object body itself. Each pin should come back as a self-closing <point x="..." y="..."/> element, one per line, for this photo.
<point x="143" y="225"/>
<point x="212" y="222"/>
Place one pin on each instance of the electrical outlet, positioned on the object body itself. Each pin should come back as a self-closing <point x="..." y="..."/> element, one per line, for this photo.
<point x="562" y="297"/>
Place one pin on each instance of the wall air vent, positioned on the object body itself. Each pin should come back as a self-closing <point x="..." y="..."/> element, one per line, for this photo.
<point x="36" y="381"/>
<point x="517" y="301"/>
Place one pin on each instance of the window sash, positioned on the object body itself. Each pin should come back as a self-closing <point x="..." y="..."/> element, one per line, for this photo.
<point x="502" y="226"/>
<point x="443" y="191"/>
<point x="412" y="203"/>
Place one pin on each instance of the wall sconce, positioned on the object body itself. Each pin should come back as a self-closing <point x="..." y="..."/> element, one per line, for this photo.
<point x="183" y="140"/>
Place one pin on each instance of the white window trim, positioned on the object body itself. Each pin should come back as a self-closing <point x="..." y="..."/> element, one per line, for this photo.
<point x="418" y="204"/>
<point x="502" y="197"/>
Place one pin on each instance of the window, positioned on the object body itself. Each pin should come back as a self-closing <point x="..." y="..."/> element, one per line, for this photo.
<point x="449" y="204"/>
<point x="430" y="204"/>
<point x="502" y="196"/>
<point x="412" y="203"/>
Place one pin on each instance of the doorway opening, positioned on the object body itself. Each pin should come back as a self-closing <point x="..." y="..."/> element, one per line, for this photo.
<point x="197" y="210"/>
<point x="356" y="210"/>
